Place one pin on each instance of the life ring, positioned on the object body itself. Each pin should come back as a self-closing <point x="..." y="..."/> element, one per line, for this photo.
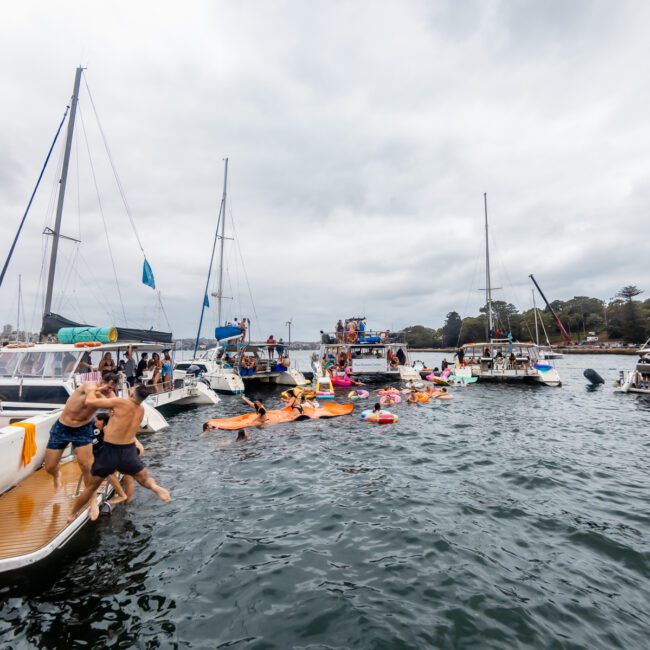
<point x="383" y="336"/>
<point x="394" y="362"/>
<point x="352" y="337"/>
<point x="382" y="417"/>
<point x="87" y="344"/>
<point x="390" y="398"/>
<point x="248" y="362"/>
<point x="358" y="394"/>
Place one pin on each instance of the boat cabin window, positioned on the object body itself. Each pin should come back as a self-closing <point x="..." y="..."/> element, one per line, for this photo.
<point x="186" y="366"/>
<point x="33" y="394"/>
<point x="8" y="363"/>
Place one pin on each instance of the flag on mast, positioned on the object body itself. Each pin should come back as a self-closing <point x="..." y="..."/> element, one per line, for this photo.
<point x="147" y="275"/>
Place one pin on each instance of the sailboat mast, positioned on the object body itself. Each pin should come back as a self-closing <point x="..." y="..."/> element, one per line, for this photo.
<point x="62" y="184"/>
<point x="223" y="235"/>
<point x="20" y="295"/>
<point x="488" y="285"/>
<point x="535" y="312"/>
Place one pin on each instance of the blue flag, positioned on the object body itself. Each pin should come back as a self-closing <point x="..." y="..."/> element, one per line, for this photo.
<point x="147" y="275"/>
<point x="206" y="302"/>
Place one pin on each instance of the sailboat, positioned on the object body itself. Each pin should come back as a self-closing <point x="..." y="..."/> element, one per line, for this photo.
<point x="545" y="351"/>
<point x="233" y="360"/>
<point x="502" y="359"/>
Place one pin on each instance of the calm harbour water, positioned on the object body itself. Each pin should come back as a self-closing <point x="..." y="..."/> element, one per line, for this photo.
<point x="511" y="516"/>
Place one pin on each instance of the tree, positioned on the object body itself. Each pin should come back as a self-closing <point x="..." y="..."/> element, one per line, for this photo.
<point x="629" y="292"/>
<point x="451" y="329"/>
<point x="418" y="336"/>
<point x="633" y="330"/>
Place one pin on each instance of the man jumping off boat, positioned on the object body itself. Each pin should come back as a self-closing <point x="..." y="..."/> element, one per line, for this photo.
<point x="119" y="450"/>
<point x="75" y="426"/>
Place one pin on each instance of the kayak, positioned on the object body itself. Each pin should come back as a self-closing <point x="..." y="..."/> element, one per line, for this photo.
<point x="286" y="414"/>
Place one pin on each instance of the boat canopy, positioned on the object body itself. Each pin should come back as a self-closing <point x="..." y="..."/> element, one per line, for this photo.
<point x="52" y="323"/>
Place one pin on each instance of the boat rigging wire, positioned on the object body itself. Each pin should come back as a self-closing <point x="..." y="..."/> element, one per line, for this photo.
<point x="120" y="187"/>
<point x="241" y="257"/>
<point x="101" y="211"/>
<point x="31" y="198"/>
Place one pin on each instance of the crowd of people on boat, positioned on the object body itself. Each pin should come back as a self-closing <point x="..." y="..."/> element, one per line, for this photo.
<point x="155" y="371"/>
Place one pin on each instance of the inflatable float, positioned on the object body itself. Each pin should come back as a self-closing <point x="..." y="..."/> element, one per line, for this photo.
<point x="358" y="394"/>
<point x="297" y="391"/>
<point x="324" y="388"/>
<point x="279" y="416"/>
<point x="437" y="380"/>
<point x="341" y="379"/>
<point x="390" y="398"/>
<point x="379" y="417"/>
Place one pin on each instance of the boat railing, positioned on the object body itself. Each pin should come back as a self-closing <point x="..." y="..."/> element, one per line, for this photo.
<point x="367" y="336"/>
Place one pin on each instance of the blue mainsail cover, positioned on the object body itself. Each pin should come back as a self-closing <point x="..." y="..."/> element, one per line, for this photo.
<point x="227" y="332"/>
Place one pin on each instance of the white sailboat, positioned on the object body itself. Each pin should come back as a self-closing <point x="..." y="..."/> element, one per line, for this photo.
<point x="545" y="351"/>
<point x="502" y="359"/>
<point x="36" y="378"/>
<point x="222" y="366"/>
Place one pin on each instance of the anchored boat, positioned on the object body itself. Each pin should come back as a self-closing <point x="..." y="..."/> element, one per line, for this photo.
<point x="637" y="380"/>
<point x="366" y="354"/>
<point x="502" y="359"/>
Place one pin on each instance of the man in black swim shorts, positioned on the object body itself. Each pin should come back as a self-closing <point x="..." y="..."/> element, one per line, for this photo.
<point x="119" y="451"/>
<point x="75" y="426"/>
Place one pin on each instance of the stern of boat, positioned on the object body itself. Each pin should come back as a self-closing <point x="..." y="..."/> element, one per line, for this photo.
<point x="291" y="377"/>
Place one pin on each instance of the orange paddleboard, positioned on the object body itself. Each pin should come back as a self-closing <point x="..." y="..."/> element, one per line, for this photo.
<point x="287" y="414"/>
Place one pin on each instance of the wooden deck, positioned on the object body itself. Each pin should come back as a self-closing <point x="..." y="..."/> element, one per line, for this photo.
<point x="33" y="515"/>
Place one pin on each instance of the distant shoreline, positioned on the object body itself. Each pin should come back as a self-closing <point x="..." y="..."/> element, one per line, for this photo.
<point x="576" y="350"/>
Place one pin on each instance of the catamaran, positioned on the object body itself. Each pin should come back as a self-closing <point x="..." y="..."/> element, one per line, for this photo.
<point x="36" y="380"/>
<point x="502" y="359"/>
<point x="368" y="355"/>
<point x="233" y="360"/>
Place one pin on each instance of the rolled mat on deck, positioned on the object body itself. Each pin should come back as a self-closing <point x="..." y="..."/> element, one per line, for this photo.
<point x="87" y="334"/>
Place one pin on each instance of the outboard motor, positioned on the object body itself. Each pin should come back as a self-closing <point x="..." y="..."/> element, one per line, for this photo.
<point x="593" y="377"/>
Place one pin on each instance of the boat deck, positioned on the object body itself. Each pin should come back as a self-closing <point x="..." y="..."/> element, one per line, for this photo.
<point x="33" y="517"/>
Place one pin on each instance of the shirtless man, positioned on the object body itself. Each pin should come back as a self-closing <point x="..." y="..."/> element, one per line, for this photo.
<point x="75" y="425"/>
<point x="119" y="451"/>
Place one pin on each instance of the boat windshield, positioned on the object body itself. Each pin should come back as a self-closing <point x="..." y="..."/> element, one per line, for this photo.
<point x="49" y="365"/>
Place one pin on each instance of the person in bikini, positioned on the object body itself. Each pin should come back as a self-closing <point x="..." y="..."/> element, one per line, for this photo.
<point x="119" y="451"/>
<point x="259" y="408"/>
<point x="75" y="426"/>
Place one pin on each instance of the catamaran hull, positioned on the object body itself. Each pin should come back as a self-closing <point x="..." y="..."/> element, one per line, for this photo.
<point x="291" y="377"/>
<point x="547" y="378"/>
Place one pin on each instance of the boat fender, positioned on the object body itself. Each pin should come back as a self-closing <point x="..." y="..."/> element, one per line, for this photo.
<point x="593" y="377"/>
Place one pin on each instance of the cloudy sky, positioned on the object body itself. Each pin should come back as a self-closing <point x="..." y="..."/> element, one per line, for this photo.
<point x="361" y="137"/>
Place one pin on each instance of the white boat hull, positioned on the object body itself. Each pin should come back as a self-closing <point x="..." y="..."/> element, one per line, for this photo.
<point x="12" y="438"/>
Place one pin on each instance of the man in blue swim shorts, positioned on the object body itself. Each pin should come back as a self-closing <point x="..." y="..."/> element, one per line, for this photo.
<point x="75" y="426"/>
<point x="119" y="451"/>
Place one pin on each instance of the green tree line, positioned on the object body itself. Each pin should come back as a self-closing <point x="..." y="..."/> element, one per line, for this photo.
<point x="624" y="318"/>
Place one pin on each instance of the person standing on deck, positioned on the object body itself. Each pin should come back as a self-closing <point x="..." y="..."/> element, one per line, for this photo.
<point x="129" y="366"/>
<point x="75" y="426"/>
<point x="119" y="451"/>
<point x="142" y="366"/>
<point x="271" y="345"/>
